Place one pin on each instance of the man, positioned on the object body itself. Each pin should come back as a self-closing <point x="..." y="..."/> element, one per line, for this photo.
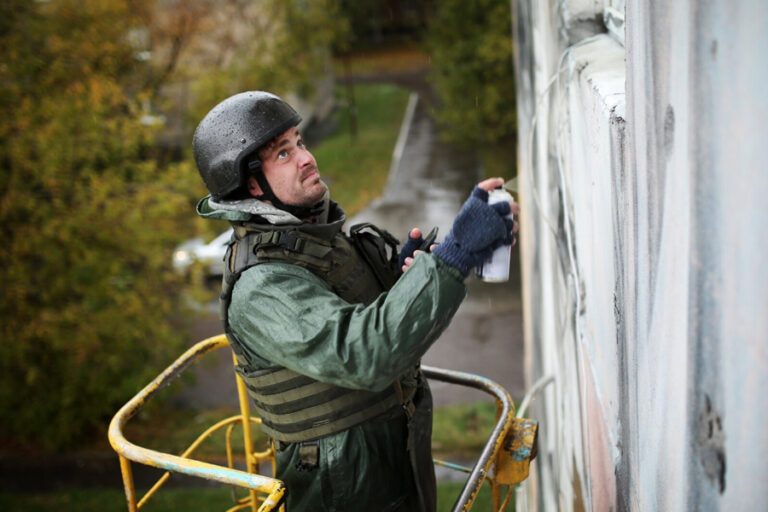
<point x="328" y="328"/>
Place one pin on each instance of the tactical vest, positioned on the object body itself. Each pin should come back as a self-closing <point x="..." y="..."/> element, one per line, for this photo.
<point x="292" y="406"/>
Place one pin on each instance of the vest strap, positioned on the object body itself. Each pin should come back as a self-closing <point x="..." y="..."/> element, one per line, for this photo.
<point x="330" y="424"/>
<point x="294" y="407"/>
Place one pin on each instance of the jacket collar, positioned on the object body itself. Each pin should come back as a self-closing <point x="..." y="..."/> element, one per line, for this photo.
<point x="264" y="216"/>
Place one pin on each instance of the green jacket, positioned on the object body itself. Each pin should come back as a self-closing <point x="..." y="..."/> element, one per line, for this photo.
<point x="287" y="316"/>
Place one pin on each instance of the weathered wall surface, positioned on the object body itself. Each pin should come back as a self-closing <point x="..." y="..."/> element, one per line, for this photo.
<point x="643" y="142"/>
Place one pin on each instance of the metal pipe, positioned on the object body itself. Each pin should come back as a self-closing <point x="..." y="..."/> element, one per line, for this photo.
<point x="189" y="451"/>
<point x="245" y="411"/>
<point x="130" y="493"/>
<point x="538" y="386"/>
<point x="503" y="424"/>
<point x="451" y="465"/>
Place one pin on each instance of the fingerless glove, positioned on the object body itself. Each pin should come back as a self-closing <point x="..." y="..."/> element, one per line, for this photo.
<point x="477" y="230"/>
<point x="410" y="245"/>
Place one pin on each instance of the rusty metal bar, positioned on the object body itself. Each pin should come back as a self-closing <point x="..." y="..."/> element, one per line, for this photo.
<point x="275" y="489"/>
<point x="231" y="421"/>
<point x="451" y="465"/>
<point x="480" y="471"/>
<point x="245" y="411"/>
<point x="130" y="492"/>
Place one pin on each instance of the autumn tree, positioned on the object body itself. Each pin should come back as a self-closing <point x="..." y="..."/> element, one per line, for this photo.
<point x="87" y="219"/>
<point x="284" y="47"/>
<point x="471" y="48"/>
<point x="91" y="207"/>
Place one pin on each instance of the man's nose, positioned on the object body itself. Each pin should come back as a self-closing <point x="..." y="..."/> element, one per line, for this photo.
<point x="305" y="157"/>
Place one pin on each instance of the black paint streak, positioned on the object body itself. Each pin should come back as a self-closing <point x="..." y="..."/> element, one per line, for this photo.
<point x="669" y="131"/>
<point x="711" y="444"/>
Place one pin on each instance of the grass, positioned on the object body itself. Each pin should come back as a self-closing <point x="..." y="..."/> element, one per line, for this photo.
<point x="460" y="431"/>
<point x="448" y="493"/>
<point x="169" y="500"/>
<point x="356" y="167"/>
<point x="113" y="500"/>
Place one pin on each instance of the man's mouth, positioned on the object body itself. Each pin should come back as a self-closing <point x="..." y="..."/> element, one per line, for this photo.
<point x="309" y="174"/>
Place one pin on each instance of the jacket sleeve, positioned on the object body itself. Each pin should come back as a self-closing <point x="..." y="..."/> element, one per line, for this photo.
<point x="289" y="316"/>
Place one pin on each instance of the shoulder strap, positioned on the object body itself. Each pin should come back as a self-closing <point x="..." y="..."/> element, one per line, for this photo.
<point x="289" y="246"/>
<point x="379" y="249"/>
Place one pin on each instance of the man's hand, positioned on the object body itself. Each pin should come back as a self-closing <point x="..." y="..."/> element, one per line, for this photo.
<point x="492" y="183"/>
<point x="409" y="250"/>
<point x="478" y="229"/>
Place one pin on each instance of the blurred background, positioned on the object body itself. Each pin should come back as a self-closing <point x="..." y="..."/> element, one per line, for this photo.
<point x="107" y="272"/>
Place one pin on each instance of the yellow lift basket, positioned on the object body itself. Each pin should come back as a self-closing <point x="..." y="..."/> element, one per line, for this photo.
<point x="503" y="462"/>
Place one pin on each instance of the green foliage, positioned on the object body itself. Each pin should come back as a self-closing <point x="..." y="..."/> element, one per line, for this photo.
<point x="375" y="21"/>
<point x="288" y="53"/>
<point x="471" y="48"/>
<point x="87" y="222"/>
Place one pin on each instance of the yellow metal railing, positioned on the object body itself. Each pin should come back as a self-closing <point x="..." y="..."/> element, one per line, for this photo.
<point x="503" y="462"/>
<point x="505" y="458"/>
<point x="269" y="492"/>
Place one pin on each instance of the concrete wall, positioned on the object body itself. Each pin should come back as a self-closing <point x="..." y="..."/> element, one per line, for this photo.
<point x="643" y="135"/>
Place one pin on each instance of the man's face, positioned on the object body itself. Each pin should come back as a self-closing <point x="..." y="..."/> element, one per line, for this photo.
<point x="291" y="170"/>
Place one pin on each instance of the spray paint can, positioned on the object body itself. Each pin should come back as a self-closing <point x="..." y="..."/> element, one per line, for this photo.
<point x="496" y="269"/>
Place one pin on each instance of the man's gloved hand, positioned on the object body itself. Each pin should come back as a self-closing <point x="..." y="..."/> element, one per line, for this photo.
<point x="477" y="230"/>
<point x="414" y="245"/>
<point x="414" y="242"/>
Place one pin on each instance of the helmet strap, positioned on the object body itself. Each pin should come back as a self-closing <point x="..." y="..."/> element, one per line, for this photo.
<point x="267" y="194"/>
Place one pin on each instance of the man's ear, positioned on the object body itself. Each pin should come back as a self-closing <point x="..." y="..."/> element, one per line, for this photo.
<point x="253" y="187"/>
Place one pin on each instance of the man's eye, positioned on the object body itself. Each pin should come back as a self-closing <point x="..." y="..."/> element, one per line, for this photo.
<point x="282" y="154"/>
<point x="300" y="143"/>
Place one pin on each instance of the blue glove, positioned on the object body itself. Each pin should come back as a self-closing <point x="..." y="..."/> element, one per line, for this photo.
<point x="477" y="231"/>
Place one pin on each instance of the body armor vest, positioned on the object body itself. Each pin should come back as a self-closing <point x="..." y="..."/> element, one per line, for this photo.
<point x="292" y="406"/>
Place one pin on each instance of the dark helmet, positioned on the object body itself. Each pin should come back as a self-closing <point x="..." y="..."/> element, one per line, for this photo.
<point x="233" y="131"/>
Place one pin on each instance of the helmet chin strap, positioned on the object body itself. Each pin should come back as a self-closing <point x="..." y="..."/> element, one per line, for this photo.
<point x="301" y="212"/>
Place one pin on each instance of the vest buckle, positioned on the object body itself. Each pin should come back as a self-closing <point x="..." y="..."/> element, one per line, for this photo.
<point x="290" y="242"/>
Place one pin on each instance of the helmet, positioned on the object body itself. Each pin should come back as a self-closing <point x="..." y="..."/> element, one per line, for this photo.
<point x="233" y="131"/>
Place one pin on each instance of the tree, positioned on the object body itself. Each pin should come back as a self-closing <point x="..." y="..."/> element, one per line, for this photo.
<point x="471" y="49"/>
<point x="87" y="220"/>
<point x="284" y="48"/>
<point x="375" y="21"/>
<point x="91" y="207"/>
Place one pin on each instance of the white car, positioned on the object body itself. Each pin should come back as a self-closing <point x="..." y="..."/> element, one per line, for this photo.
<point x="210" y="255"/>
